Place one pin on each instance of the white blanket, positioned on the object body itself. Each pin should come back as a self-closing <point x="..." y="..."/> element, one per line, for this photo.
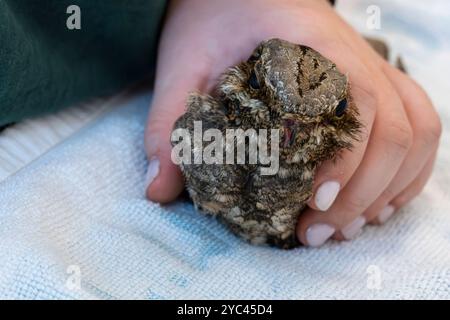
<point x="75" y="222"/>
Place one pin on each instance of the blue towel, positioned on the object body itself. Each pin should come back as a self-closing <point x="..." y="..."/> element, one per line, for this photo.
<point x="75" y="224"/>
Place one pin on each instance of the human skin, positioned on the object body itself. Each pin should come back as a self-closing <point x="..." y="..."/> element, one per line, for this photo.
<point x="387" y="167"/>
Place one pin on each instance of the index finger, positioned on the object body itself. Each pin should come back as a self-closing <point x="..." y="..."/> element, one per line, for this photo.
<point x="333" y="175"/>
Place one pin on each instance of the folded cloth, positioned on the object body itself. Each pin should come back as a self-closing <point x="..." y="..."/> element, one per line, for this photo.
<point x="75" y="224"/>
<point x="23" y="142"/>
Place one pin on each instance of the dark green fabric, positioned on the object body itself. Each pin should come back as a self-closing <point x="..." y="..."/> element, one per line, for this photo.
<point x="44" y="66"/>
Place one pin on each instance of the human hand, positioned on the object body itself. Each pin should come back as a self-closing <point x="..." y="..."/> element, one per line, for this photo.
<point x="386" y="168"/>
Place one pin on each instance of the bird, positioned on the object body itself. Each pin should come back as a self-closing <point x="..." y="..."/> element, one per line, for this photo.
<point x="283" y="88"/>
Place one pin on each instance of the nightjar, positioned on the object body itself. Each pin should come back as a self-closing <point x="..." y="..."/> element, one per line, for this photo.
<point x="283" y="86"/>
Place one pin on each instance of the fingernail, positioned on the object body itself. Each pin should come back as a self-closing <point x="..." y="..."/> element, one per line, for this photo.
<point x="152" y="172"/>
<point x="326" y="194"/>
<point x="353" y="229"/>
<point x="318" y="234"/>
<point x="385" y="214"/>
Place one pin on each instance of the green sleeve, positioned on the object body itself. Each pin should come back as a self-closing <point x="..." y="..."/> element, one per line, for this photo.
<point x="44" y="66"/>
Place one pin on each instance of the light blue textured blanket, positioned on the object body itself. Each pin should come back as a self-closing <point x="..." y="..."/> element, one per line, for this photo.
<point x="75" y="224"/>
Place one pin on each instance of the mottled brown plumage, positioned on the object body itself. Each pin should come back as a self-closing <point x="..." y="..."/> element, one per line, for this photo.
<point x="282" y="86"/>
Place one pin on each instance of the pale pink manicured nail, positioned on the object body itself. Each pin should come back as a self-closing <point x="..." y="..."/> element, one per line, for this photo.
<point x="386" y="213"/>
<point x="152" y="172"/>
<point x="318" y="234"/>
<point x="354" y="228"/>
<point x="326" y="194"/>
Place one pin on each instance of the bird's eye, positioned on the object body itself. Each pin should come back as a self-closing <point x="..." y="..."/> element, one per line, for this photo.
<point x="253" y="81"/>
<point x="255" y="55"/>
<point x="253" y="58"/>
<point x="340" y="109"/>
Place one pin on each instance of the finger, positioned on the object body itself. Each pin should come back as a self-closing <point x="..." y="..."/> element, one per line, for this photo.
<point x="332" y="176"/>
<point x="164" y="180"/>
<point x="416" y="186"/>
<point x="174" y="80"/>
<point x="426" y="128"/>
<point x="409" y="193"/>
<point x="390" y="141"/>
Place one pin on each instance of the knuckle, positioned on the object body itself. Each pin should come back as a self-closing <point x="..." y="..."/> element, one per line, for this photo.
<point x="355" y="204"/>
<point x="403" y="199"/>
<point x="408" y="195"/>
<point x="388" y="194"/>
<point x="398" y="135"/>
<point x="418" y="95"/>
<point x="417" y="191"/>
<point x="430" y="132"/>
<point x="368" y="94"/>
<point x="161" y="122"/>
<point x="429" y="127"/>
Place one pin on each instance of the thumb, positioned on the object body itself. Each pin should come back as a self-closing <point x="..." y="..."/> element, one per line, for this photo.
<point x="164" y="180"/>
